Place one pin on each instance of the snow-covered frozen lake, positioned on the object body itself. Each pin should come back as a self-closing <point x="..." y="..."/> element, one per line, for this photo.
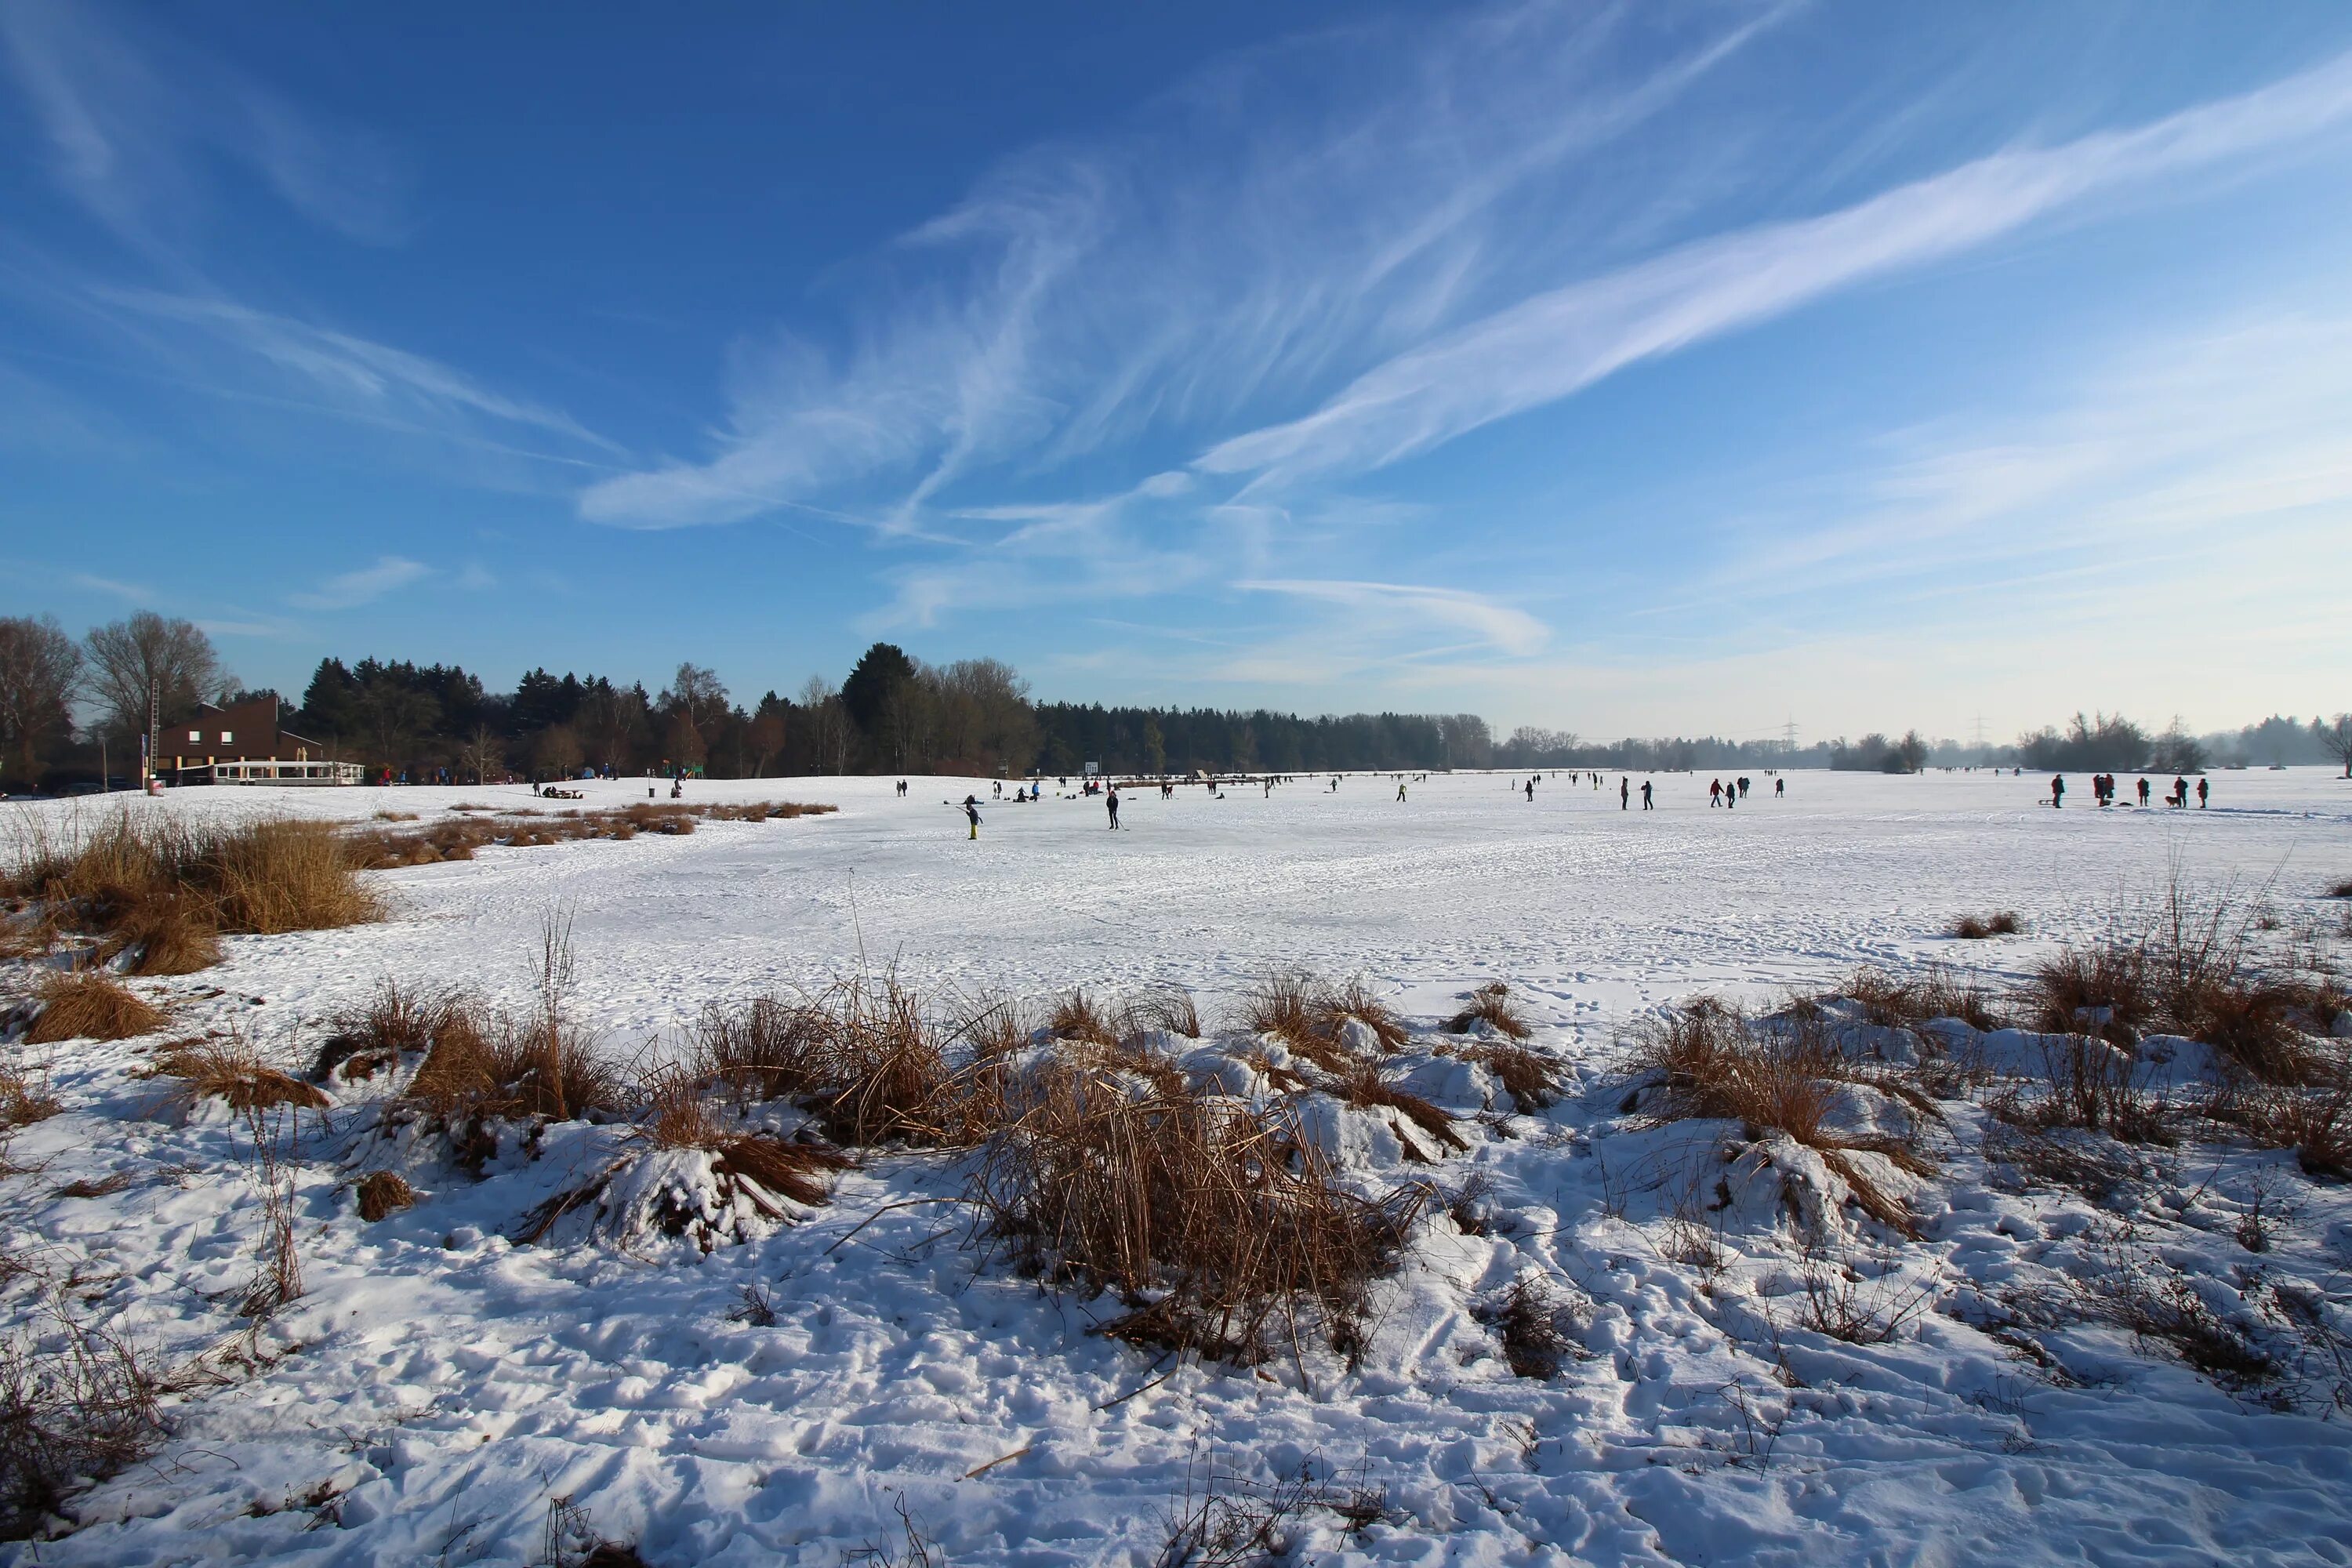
<point x="1593" y="912"/>
<point x="437" y="1385"/>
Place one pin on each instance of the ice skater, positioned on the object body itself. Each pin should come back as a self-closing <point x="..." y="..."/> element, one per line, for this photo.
<point x="1531" y="792"/>
<point x="1400" y="789"/>
<point x="1779" y="788"/>
<point x="1645" y="795"/>
<point x="1625" y="795"/>
<point x="972" y="810"/>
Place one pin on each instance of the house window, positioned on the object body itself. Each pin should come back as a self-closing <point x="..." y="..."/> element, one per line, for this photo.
<point x="196" y="737"/>
<point x="227" y="738"/>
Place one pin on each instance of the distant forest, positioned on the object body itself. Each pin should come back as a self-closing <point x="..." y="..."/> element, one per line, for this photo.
<point x="61" y="698"/>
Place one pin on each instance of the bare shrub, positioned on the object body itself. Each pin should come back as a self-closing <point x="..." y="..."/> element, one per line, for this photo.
<point x="1526" y="1320"/>
<point x="232" y="1070"/>
<point x="1844" y="1304"/>
<point x="2087" y="1083"/>
<point x="1211" y="1219"/>
<point x="571" y="1541"/>
<point x="2157" y="1302"/>
<point x="1492" y="1004"/>
<point x="1977" y="928"/>
<point x="383" y="1192"/>
<point x="278" y="1274"/>
<point x="1226" y="1521"/>
<point x="91" y="1005"/>
<point x="76" y="1407"/>
<point x="24" y="1098"/>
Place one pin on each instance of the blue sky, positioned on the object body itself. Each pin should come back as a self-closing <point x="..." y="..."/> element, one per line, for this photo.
<point x="1626" y="369"/>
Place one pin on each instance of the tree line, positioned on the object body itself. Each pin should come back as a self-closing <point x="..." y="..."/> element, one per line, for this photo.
<point x="62" y="699"/>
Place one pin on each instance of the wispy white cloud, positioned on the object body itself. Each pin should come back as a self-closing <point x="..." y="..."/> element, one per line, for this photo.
<point x="134" y="591"/>
<point x="1561" y="341"/>
<point x="345" y="370"/>
<point x="347" y="590"/>
<point x="132" y="115"/>
<point x="1236" y="242"/>
<point x="1494" y="626"/>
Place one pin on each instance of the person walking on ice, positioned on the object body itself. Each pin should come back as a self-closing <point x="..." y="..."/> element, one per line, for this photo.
<point x="1624" y="794"/>
<point x="2203" y="789"/>
<point x="1531" y="792"/>
<point x="972" y="810"/>
<point x="1645" y="795"/>
<point x="2057" y="791"/>
<point x="1779" y="788"/>
<point x="1111" y="800"/>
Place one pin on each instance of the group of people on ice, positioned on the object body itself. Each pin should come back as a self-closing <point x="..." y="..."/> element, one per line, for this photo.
<point x="2102" y="790"/>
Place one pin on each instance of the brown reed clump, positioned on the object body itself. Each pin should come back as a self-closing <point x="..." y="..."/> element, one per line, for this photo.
<point x="1977" y="928"/>
<point x="1492" y="1005"/>
<point x="383" y="1193"/>
<point x="91" y="1005"/>
<point x="233" y="1071"/>
<point x="1215" y="1222"/>
<point x="1711" y="1062"/>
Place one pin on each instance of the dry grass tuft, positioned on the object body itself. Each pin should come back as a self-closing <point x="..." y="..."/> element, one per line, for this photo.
<point x="24" y="1099"/>
<point x="1492" y="1004"/>
<point x="91" y="1005"/>
<point x="679" y="1117"/>
<point x="1712" y="1062"/>
<point x="1213" y="1221"/>
<point x="2106" y="990"/>
<point x="521" y="828"/>
<point x="170" y="934"/>
<point x="383" y="1192"/>
<point x="1166" y="1009"/>
<point x="398" y="1021"/>
<point x="2339" y="889"/>
<point x="1977" y="928"/>
<point x="1076" y="1017"/>
<point x="1529" y="1076"/>
<point x="767" y="1049"/>
<point x="1365" y="1090"/>
<point x="886" y="1072"/>
<point x="232" y="1070"/>
<point x="1311" y="1018"/>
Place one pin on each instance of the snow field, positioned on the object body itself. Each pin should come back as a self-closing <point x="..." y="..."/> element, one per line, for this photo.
<point x="437" y="1385"/>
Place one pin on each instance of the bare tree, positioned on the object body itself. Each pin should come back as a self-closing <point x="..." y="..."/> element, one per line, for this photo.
<point x="827" y="728"/>
<point x="483" y="750"/>
<point x="40" y="674"/>
<point x="2337" y="739"/>
<point x="171" y="658"/>
<point x="696" y="694"/>
<point x="557" y="750"/>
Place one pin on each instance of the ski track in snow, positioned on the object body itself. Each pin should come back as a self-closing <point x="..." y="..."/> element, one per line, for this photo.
<point x="444" y="1384"/>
